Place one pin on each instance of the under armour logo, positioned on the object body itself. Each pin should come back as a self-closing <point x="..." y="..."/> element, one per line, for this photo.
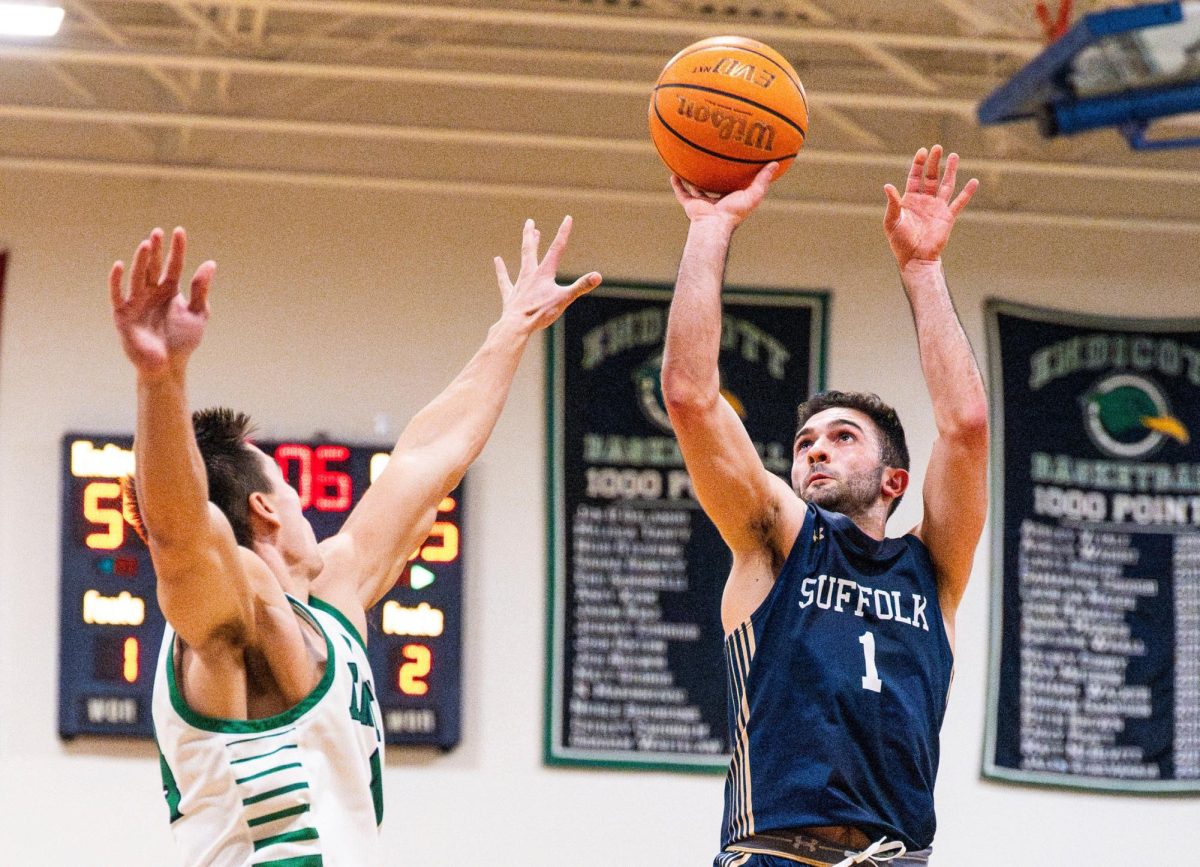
<point x="819" y="534"/>
<point x="799" y="842"/>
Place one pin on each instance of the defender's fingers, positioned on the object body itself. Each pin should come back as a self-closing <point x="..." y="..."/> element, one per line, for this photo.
<point x="174" y="270"/>
<point x="502" y="279"/>
<point x="584" y="284"/>
<point x="115" y="296"/>
<point x="555" y="250"/>
<point x="154" y="263"/>
<point x="137" y="277"/>
<point x="201" y="280"/>
<point x="932" y="165"/>
<point x="892" y="215"/>
<point x="529" y="246"/>
<point x="949" y="178"/>
<point x="915" y="171"/>
<point x="964" y="197"/>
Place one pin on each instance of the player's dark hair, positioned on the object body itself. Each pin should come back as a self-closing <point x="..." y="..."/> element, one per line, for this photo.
<point x="893" y="450"/>
<point x="234" y="472"/>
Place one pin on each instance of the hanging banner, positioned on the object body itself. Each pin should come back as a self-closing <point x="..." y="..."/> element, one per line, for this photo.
<point x="636" y="674"/>
<point x="1095" y="662"/>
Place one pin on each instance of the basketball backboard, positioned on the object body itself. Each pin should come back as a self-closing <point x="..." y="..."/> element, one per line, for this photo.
<point x="1122" y="67"/>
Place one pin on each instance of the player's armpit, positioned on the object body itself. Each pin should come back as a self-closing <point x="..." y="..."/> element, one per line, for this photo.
<point x="207" y="586"/>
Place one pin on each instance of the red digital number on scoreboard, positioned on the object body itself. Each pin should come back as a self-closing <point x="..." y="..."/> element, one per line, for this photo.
<point x="308" y="471"/>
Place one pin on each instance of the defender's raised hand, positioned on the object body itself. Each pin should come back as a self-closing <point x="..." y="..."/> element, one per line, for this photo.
<point x="918" y="224"/>
<point x="535" y="300"/>
<point x="159" y="328"/>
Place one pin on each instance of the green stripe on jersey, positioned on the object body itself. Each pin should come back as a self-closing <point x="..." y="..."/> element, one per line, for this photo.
<point x="269" y="771"/>
<point x="260" y="737"/>
<point x="282" y="790"/>
<point x="301" y="861"/>
<point x="264" y="755"/>
<point x="289" y="837"/>
<point x="281" y="814"/>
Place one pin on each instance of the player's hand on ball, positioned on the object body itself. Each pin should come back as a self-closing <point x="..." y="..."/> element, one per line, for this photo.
<point x="159" y="327"/>
<point x="732" y="207"/>
<point x="534" y="300"/>
<point x="918" y="224"/>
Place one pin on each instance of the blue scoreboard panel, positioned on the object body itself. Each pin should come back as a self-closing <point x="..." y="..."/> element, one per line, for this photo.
<point x="111" y="627"/>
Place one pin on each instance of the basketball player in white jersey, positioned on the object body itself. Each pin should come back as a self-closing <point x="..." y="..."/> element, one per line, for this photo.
<point x="263" y="698"/>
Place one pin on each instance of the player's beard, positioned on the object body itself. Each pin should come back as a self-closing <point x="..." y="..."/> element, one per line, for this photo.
<point x="853" y="495"/>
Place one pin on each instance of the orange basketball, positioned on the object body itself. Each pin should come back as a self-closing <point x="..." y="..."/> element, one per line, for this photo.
<point x="723" y="108"/>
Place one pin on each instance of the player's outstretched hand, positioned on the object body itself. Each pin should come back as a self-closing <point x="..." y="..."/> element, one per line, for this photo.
<point x="534" y="301"/>
<point x="918" y="223"/>
<point x="734" y="207"/>
<point x="159" y="328"/>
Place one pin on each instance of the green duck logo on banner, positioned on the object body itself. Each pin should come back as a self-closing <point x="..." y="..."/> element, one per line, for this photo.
<point x="1127" y="416"/>
<point x="647" y="380"/>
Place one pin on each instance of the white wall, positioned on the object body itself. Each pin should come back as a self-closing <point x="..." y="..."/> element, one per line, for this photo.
<point x="331" y="307"/>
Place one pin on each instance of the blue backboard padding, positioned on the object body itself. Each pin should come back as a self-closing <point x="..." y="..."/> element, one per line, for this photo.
<point x="1043" y="80"/>
<point x="1138" y="105"/>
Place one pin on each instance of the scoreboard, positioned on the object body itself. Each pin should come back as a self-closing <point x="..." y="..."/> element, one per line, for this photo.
<point x="111" y="627"/>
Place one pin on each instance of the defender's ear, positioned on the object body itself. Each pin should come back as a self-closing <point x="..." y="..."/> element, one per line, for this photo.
<point x="264" y="517"/>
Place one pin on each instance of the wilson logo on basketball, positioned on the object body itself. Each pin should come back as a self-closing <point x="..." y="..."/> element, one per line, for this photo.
<point x="729" y="127"/>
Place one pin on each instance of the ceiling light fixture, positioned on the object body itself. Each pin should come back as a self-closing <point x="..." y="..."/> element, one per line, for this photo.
<point x="29" y="19"/>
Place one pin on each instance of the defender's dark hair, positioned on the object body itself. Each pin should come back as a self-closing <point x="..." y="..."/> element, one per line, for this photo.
<point x="234" y="472"/>
<point x="894" y="447"/>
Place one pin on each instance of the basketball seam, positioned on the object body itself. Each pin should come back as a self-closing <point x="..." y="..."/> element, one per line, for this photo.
<point x="767" y="57"/>
<point x="705" y="150"/>
<point x="757" y="105"/>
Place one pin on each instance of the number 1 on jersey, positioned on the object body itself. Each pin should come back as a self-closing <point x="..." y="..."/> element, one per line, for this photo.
<point x="871" y="679"/>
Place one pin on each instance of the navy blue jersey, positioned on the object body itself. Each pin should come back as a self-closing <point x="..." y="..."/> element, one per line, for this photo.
<point x="838" y="686"/>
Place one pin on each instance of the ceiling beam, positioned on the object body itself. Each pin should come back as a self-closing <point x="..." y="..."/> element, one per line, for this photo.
<point x="78" y="7"/>
<point x="1106" y="174"/>
<point x="445" y="77"/>
<point x="970" y="14"/>
<point x="477" y="189"/>
<point x="631" y="23"/>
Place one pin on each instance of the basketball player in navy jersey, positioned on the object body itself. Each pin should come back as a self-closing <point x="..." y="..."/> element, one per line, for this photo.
<point x="839" y="641"/>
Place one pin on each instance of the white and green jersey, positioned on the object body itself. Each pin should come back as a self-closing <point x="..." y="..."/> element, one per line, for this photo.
<point x="299" y="789"/>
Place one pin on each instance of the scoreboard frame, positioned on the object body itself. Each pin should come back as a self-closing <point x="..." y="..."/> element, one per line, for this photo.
<point x="111" y="627"/>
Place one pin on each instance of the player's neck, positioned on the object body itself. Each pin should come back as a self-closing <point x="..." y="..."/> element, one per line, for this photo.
<point x="294" y="576"/>
<point x="872" y="521"/>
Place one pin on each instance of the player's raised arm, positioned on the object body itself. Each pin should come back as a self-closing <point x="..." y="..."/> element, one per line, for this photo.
<point x="441" y="441"/>
<point x="735" y="489"/>
<point x="918" y="225"/>
<point x="202" y="586"/>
